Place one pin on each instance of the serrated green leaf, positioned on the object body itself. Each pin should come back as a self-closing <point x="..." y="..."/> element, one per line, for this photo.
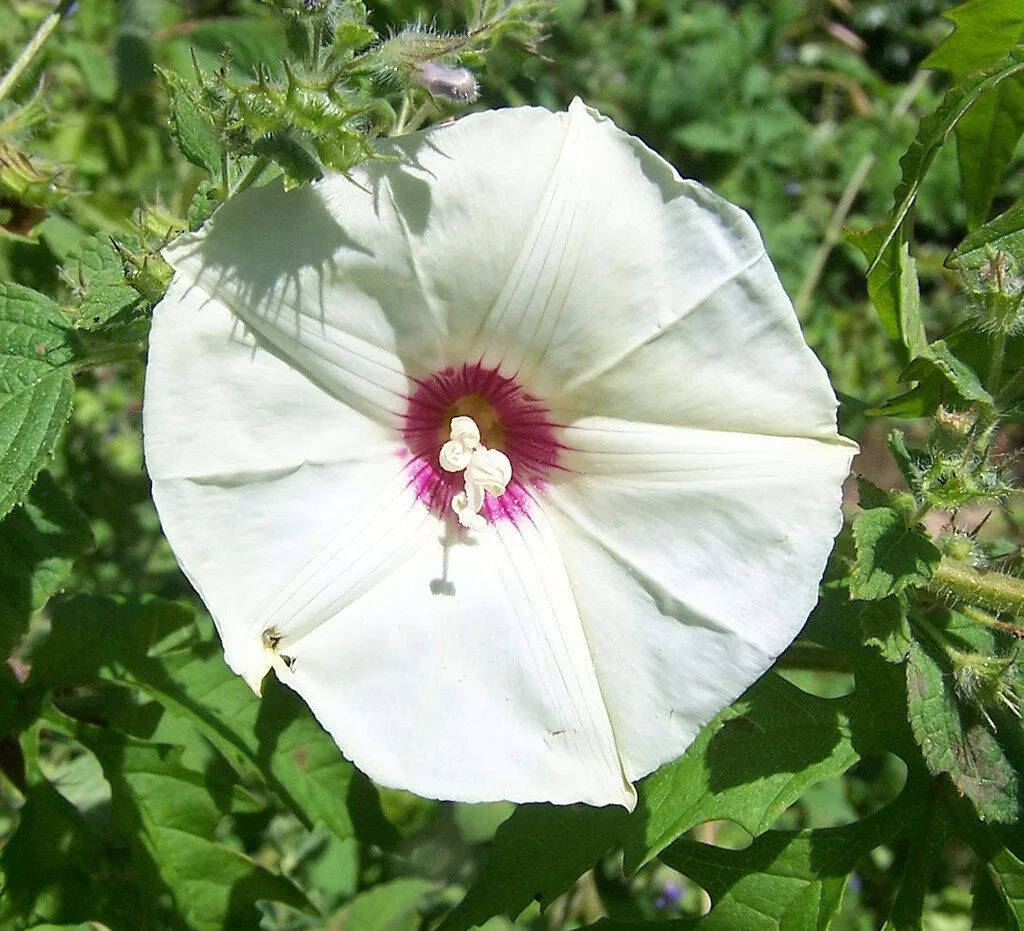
<point x="785" y="881"/>
<point x="932" y="134"/>
<point x="891" y="556"/>
<point x="350" y="36"/>
<point x="1005" y="233"/>
<point x="390" y="906"/>
<point x="956" y="741"/>
<point x="35" y="387"/>
<point x="202" y="205"/>
<point x="192" y="130"/>
<point x="100" y="275"/>
<point x="986" y="137"/>
<point x="277" y="741"/>
<point x="38" y="544"/>
<point x="165" y="811"/>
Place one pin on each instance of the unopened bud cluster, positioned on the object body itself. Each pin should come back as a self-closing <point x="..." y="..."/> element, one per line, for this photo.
<point x="988" y="682"/>
<point x="997" y="293"/>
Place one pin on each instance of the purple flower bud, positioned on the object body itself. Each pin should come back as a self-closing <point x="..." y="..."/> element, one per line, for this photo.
<point x="453" y="83"/>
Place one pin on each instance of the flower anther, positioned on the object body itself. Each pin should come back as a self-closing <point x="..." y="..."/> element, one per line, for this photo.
<point x="506" y="452"/>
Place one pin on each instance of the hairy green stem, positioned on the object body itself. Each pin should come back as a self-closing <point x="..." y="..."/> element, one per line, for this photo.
<point x="995" y="368"/>
<point x="126" y="352"/>
<point x="986" y="620"/>
<point x="992" y="590"/>
<point x="29" y="52"/>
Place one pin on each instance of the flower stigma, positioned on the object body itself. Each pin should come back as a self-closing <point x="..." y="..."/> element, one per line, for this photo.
<point x="485" y="471"/>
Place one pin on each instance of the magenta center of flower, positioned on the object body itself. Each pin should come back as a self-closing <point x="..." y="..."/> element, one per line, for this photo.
<point x="510" y="420"/>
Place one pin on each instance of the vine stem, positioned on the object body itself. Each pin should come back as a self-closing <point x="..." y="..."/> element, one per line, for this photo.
<point x="992" y="590"/>
<point x="45" y="30"/>
<point x="995" y="369"/>
<point x="845" y="204"/>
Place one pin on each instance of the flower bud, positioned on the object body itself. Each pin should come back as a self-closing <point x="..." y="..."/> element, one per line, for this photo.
<point x="458" y="84"/>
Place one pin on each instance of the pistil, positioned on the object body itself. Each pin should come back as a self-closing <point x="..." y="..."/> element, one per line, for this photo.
<point x="485" y="471"/>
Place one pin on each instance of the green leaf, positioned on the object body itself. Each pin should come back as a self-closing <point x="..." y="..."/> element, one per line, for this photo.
<point x="100" y="275"/>
<point x="202" y="205"/>
<point x="986" y="137"/>
<point x="38" y="544"/>
<point x="942" y="378"/>
<point x="956" y="741"/>
<point x="96" y="69"/>
<point x="166" y="813"/>
<point x="738" y="768"/>
<point x="785" y="881"/>
<point x="56" y="868"/>
<point x="35" y="387"/>
<point x="277" y="741"/>
<point x="192" y="130"/>
<point x="537" y="854"/>
<point x="891" y="556"/>
<point x="932" y="134"/>
<point x="296" y="155"/>
<point x="923" y="856"/>
<point x="1005" y="233"/>
<point x="998" y="894"/>
<point x="885" y="627"/>
<point x="894" y="291"/>
<point x="389" y="906"/>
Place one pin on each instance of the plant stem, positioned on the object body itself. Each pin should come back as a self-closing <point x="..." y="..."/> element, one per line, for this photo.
<point x="995" y="369"/>
<point x="45" y="30"/>
<point x="992" y="590"/>
<point x="990" y="622"/>
<point x="127" y="352"/>
<point x="935" y="635"/>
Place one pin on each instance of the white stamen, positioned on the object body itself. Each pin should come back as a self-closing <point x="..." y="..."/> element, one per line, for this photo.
<point x="458" y="451"/>
<point x="486" y="471"/>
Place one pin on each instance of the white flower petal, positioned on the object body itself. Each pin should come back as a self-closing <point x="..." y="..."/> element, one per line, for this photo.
<point x="219" y="407"/>
<point x="712" y="544"/>
<point x="319" y="294"/>
<point x="467" y="676"/>
<point x="297" y="543"/>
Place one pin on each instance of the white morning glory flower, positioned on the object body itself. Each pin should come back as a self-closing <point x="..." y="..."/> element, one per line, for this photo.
<point x="507" y="455"/>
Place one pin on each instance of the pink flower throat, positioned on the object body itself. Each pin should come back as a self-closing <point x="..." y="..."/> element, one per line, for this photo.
<point x="510" y="420"/>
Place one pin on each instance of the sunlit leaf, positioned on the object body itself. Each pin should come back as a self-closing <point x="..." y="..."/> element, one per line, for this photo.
<point x="956" y="740"/>
<point x="987" y="136"/>
<point x="35" y="387"/>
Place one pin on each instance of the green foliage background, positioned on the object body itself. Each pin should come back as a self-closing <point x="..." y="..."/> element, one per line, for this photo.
<point x="872" y="779"/>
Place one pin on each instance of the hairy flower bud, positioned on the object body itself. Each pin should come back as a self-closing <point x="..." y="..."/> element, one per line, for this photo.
<point x="457" y="84"/>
